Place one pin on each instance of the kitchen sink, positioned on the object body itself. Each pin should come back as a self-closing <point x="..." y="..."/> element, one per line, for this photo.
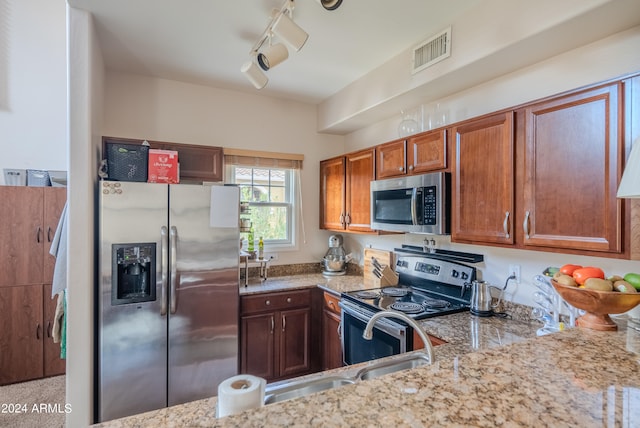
<point x="291" y="390"/>
<point x="409" y="362"/>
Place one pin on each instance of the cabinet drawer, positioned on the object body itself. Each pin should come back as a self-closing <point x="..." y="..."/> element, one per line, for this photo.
<point x="331" y="303"/>
<point x="275" y="301"/>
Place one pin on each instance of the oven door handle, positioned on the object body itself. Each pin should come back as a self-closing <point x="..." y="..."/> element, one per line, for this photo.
<point x="414" y="206"/>
<point x="388" y="327"/>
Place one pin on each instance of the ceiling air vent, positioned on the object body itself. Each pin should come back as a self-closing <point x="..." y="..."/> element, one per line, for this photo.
<point x="431" y="51"/>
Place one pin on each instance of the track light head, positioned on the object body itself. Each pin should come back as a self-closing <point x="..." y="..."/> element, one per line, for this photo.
<point x="289" y="31"/>
<point x="330" y="4"/>
<point x="272" y="56"/>
<point x="254" y="74"/>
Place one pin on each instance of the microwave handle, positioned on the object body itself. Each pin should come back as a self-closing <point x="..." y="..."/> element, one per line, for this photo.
<point x="414" y="206"/>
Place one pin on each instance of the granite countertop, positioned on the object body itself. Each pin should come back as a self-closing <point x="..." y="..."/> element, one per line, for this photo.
<point x="492" y="372"/>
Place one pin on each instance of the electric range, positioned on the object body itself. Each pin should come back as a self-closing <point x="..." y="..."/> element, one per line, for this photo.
<point x="428" y="287"/>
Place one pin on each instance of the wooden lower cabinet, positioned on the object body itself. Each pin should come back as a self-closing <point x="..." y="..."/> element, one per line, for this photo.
<point x="276" y="334"/>
<point x="27" y="350"/>
<point x="331" y="339"/>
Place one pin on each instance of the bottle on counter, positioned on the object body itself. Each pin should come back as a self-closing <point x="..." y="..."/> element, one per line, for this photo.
<point x="250" y="241"/>
<point x="260" y="248"/>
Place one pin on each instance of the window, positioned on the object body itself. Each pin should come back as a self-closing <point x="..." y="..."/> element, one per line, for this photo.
<point x="270" y="194"/>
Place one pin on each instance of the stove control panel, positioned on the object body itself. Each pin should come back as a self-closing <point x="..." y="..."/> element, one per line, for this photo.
<point x="443" y="271"/>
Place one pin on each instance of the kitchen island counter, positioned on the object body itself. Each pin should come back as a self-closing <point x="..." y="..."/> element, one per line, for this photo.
<point x="492" y="372"/>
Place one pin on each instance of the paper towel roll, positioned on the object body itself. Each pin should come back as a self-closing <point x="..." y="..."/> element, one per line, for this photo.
<point x="240" y="393"/>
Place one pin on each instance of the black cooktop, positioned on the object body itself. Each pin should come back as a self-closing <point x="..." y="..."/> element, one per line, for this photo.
<point x="415" y="303"/>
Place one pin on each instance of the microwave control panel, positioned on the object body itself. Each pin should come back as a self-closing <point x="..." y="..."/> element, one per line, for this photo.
<point x="430" y="205"/>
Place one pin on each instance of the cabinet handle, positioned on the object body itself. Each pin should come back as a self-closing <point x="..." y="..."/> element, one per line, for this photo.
<point x="340" y="329"/>
<point x="38" y="330"/>
<point x="38" y="234"/>
<point x="348" y="220"/>
<point x="341" y="218"/>
<point x="400" y="168"/>
<point x="48" y="233"/>
<point x="268" y="302"/>
<point x="525" y="224"/>
<point x="288" y="299"/>
<point x="273" y="324"/>
<point x="410" y="167"/>
<point x="49" y="329"/>
<point x="284" y="322"/>
<point x="505" y="224"/>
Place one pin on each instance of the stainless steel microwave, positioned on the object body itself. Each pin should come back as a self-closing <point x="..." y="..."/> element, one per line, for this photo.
<point x="415" y="204"/>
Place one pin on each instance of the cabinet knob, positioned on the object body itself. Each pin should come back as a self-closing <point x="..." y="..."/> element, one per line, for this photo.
<point x="410" y="167"/>
<point x="268" y="302"/>
<point x="288" y="299"/>
<point x="400" y="168"/>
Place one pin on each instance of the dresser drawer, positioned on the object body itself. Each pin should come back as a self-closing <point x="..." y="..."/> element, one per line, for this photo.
<point x="256" y="303"/>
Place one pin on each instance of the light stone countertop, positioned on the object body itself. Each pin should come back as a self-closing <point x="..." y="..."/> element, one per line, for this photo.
<point x="493" y="372"/>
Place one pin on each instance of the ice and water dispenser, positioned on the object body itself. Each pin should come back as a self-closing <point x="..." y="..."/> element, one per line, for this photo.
<point x="133" y="273"/>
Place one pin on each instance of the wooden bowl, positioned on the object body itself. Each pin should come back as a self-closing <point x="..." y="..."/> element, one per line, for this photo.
<point x="597" y="304"/>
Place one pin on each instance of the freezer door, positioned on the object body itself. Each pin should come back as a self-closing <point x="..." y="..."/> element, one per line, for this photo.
<point x="132" y="337"/>
<point x="204" y="300"/>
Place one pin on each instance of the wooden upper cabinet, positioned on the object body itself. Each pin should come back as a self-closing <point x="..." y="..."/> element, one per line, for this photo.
<point x="391" y="159"/>
<point x="360" y="171"/>
<point x="22" y="235"/>
<point x="427" y="152"/>
<point x="483" y="180"/>
<point x="573" y="149"/>
<point x="198" y="163"/>
<point x="418" y="154"/>
<point x="332" y="193"/>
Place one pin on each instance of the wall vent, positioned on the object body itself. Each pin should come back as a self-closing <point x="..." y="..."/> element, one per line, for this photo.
<point x="431" y="51"/>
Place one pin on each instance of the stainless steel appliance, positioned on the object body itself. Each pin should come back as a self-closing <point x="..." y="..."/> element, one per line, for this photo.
<point x="336" y="259"/>
<point x="167" y="297"/>
<point x="418" y="203"/>
<point x="428" y="287"/>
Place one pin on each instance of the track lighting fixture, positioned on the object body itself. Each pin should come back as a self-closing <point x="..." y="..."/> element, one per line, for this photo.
<point x="283" y="27"/>
<point x="254" y="74"/>
<point x="272" y="56"/>
<point x="330" y="4"/>
<point x="289" y="31"/>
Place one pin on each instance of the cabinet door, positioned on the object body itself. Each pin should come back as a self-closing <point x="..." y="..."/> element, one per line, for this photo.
<point x="53" y="364"/>
<point x="198" y="163"/>
<point x="258" y="345"/>
<point x="391" y="159"/>
<point x="360" y="172"/>
<point x="332" y="344"/>
<point x="573" y="150"/>
<point x="21" y="235"/>
<point x="426" y="152"/>
<point x="22" y="333"/>
<point x="483" y="180"/>
<point x="54" y="199"/>
<point x="295" y="343"/>
<point x="332" y="193"/>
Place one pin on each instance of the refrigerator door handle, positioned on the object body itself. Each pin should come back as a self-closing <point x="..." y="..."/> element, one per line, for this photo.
<point x="173" y="256"/>
<point x="164" y="266"/>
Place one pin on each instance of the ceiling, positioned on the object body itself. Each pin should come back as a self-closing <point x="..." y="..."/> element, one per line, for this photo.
<point x="207" y="41"/>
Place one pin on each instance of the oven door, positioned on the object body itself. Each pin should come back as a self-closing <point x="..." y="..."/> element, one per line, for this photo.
<point x="389" y="338"/>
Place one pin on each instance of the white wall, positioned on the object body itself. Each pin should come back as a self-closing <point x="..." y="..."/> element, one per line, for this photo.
<point x="163" y="110"/>
<point x="33" y="90"/>
<point x="85" y="121"/>
<point x="561" y="73"/>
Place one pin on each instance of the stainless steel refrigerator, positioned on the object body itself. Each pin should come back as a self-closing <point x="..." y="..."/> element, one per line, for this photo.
<point x="167" y="309"/>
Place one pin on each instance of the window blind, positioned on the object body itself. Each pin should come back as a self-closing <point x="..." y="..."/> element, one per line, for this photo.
<point x="259" y="159"/>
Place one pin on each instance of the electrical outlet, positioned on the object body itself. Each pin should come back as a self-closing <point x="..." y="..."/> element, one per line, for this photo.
<point x="515" y="270"/>
<point x="271" y="256"/>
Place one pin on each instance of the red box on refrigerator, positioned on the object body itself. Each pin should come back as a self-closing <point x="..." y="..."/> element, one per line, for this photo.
<point x="163" y="166"/>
